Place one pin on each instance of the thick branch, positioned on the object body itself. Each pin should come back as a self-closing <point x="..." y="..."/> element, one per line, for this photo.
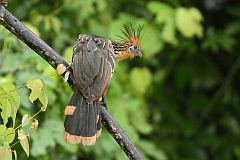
<point x="48" y="54"/>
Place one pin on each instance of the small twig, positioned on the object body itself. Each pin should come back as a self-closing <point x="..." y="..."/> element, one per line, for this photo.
<point x="3" y="94"/>
<point x="47" y="53"/>
<point x="14" y="144"/>
<point x="5" y="46"/>
<point x="31" y="118"/>
<point x="225" y="84"/>
<point x="48" y="76"/>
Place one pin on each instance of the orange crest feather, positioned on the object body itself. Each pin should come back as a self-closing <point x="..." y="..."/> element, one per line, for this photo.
<point x="130" y="34"/>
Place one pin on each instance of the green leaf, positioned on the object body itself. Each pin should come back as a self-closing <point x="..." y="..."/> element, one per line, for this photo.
<point x="23" y="141"/>
<point x="39" y="91"/>
<point x="5" y="153"/>
<point x="188" y="22"/>
<point x="9" y="135"/>
<point x="169" y="31"/>
<point x="217" y="40"/>
<point x="6" y="110"/>
<point x="36" y="86"/>
<point x="151" y="41"/>
<point x="140" y="79"/>
<point x="2" y="141"/>
<point x="165" y="15"/>
<point x="14" y="107"/>
<point x="157" y="7"/>
<point x="2" y="129"/>
<point x="25" y="145"/>
<point x="56" y="24"/>
<point x="44" y="98"/>
<point x="25" y="120"/>
<point x="9" y="102"/>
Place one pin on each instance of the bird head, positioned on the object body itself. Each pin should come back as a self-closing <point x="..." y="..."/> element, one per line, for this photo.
<point x="129" y="46"/>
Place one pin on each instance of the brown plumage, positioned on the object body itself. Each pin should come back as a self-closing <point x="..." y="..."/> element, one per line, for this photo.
<point x="93" y="65"/>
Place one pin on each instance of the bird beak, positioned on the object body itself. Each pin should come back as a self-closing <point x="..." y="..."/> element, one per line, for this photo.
<point x="139" y="53"/>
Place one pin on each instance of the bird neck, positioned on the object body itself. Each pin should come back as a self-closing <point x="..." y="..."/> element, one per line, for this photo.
<point x="121" y="50"/>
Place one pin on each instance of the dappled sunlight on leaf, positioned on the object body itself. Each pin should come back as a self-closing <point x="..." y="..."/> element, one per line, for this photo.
<point x="9" y="102"/>
<point x="39" y="91"/>
<point x="188" y="22"/>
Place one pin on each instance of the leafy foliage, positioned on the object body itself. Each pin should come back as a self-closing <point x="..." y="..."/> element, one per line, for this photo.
<point x="38" y="91"/>
<point x="23" y="141"/>
<point x="9" y="101"/>
<point x="188" y="22"/>
<point x="180" y="101"/>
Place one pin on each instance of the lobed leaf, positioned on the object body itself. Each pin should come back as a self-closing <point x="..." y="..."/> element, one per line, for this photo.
<point x="38" y="90"/>
<point x="36" y="86"/>
<point x="9" y="102"/>
<point x="9" y="135"/>
<point x="188" y="22"/>
<point x="25" y="120"/>
<point x="5" y="153"/>
<point x="2" y="129"/>
<point x="23" y="141"/>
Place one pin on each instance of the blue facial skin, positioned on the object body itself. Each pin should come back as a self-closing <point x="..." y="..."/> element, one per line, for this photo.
<point x="135" y="49"/>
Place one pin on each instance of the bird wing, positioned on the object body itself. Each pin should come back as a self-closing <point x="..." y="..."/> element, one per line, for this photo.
<point x="93" y="65"/>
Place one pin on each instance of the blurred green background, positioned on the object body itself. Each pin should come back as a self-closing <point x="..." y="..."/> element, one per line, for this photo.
<point x="179" y="102"/>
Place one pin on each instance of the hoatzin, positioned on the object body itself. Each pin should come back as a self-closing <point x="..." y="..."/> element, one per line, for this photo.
<point x="93" y="66"/>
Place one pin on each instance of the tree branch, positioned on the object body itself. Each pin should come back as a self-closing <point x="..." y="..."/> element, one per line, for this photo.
<point x="47" y="53"/>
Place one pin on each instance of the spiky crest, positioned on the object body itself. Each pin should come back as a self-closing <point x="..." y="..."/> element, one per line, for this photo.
<point x="130" y="34"/>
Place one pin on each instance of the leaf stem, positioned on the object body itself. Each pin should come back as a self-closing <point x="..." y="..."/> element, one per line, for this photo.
<point x="47" y="76"/>
<point x="31" y="118"/>
<point x="20" y="87"/>
<point x="14" y="144"/>
<point x="13" y="90"/>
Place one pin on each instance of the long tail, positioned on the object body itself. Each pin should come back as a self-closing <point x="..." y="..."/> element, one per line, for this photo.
<point x="82" y="123"/>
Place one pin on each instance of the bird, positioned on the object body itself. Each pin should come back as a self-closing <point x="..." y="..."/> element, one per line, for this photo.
<point x="93" y="64"/>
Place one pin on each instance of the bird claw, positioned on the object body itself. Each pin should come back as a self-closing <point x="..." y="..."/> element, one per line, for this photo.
<point x="103" y="102"/>
<point x="69" y="68"/>
<point x="67" y="73"/>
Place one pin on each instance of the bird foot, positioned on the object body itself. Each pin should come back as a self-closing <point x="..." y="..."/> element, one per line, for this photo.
<point x="103" y="102"/>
